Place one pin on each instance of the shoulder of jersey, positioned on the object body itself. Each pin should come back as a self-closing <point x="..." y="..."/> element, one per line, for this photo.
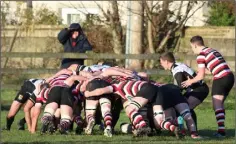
<point x="178" y="68"/>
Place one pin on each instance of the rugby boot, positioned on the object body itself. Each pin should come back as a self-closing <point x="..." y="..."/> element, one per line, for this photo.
<point x="88" y="130"/>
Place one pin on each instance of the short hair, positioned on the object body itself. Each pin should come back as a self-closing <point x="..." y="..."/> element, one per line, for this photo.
<point x="108" y="63"/>
<point x="168" y="56"/>
<point x="198" y="40"/>
<point x="79" y="68"/>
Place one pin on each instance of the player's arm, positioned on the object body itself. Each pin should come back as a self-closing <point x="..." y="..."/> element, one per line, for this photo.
<point x="114" y="72"/>
<point x="200" y="74"/>
<point x="121" y="70"/>
<point x="35" y="114"/>
<point x="99" y="91"/>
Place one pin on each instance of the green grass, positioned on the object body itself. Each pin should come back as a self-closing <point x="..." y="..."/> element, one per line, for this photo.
<point x="206" y="126"/>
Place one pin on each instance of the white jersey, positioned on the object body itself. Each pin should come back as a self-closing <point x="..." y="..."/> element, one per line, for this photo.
<point x="36" y="81"/>
<point x="96" y="68"/>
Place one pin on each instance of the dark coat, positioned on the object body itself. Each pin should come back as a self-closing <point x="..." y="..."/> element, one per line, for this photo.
<point x="82" y="44"/>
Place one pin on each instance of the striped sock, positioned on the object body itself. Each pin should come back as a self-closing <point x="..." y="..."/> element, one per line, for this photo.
<point x="46" y="118"/>
<point x="78" y="120"/>
<point x="89" y="117"/>
<point x="136" y="119"/>
<point x="107" y="119"/>
<point x="167" y="125"/>
<point x="220" y="118"/>
<point x="65" y="124"/>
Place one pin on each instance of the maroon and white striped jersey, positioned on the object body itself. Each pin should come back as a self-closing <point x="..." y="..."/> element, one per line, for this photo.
<point x="76" y="91"/>
<point x="214" y="62"/>
<point x="157" y="83"/>
<point x="43" y="95"/>
<point x="59" y="80"/>
<point x="127" y="88"/>
<point x="117" y="79"/>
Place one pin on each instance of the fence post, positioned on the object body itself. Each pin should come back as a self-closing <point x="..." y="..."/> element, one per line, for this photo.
<point x="89" y="61"/>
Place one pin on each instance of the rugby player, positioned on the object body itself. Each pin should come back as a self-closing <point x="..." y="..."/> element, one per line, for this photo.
<point x="196" y="92"/>
<point x="223" y="78"/>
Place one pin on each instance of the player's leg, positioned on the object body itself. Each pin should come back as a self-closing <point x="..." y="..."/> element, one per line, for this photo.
<point x="77" y="117"/>
<point x="105" y="104"/>
<point x="131" y="108"/>
<point x="116" y="109"/>
<point x="146" y="94"/>
<point x="220" y="89"/>
<point x="66" y="110"/>
<point x="184" y="111"/>
<point x="195" y="98"/>
<point x="19" y="100"/>
<point x="92" y="103"/>
<point x="90" y="109"/>
<point x="52" y="104"/>
<point x="27" y="110"/>
<point x="159" y="119"/>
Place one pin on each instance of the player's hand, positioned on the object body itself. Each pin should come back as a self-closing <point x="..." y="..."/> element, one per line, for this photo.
<point x="186" y="83"/>
<point x="86" y="93"/>
<point x="83" y="86"/>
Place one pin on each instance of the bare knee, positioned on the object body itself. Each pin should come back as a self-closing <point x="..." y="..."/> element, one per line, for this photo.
<point x="26" y="109"/>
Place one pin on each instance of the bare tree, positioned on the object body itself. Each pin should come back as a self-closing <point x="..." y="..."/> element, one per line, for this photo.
<point x="165" y="22"/>
<point x="136" y="32"/>
<point x="149" y="4"/>
<point x="113" y="21"/>
<point x="29" y="12"/>
<point x="161" y="22"/>
<point x="29" y="4"/>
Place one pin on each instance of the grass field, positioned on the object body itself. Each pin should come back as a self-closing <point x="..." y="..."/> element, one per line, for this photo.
<point x="206" y="126"/>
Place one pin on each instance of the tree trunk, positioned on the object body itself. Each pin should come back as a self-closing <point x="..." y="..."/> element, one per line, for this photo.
<point x="29" y="12"/>
<point x="150" y="63"/>
<point x="116" y="29"/>
<point x="136" y="32"/>
<point x="29" y="4"/>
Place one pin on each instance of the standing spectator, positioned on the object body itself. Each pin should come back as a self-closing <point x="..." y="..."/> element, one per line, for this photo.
<point x="73" y="40"/>
<point x="223" y="78"/>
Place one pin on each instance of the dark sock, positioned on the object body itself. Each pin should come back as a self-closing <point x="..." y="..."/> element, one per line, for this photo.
<point x="23" y="121"/>
<point x="71" y="126"/>
<point x="194" y="116"/>
<point x="9" y="122"/>
<point x="56" y="121"/>
<point x="116" y="112"/>
<point x="98" y="116"/>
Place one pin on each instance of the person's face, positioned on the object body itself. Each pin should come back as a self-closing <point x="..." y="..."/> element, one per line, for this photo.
<point x="100" y="63"/>
<point x="75" y="34"/>
<point x="164" y="64"/>
<point x="194" y="48"/>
